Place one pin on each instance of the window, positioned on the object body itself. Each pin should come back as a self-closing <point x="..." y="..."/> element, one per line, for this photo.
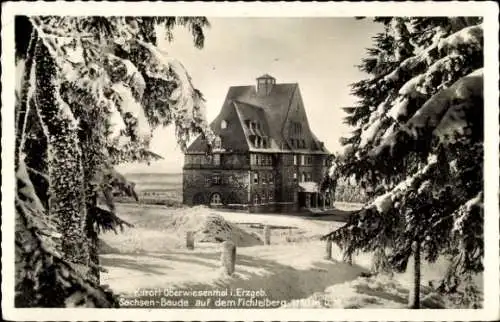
<point x="216" y="179"/>
<point x="216" y="159"/>
<point x="223" y="124"/>
<point x="302" y="159"/>
<point x="295" y="159"/>
<point x="271" y="197"/>
<point x="216" y="199"/>
<point x="271" y="178"/>
<point x="256" y="178"/>
<point x="295" y="177"/>
<point x="304" y="177"/>
<point x="303" y="144"/>
<point x="256" y="199"/>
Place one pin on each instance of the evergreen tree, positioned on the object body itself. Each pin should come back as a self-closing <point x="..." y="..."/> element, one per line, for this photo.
<point x="92" y="90"/>
<point x="417" y="148"/>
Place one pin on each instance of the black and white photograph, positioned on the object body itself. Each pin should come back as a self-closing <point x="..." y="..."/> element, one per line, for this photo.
<point x="172" y="161"/>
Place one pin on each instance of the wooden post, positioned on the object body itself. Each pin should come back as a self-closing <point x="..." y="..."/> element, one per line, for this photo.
<point x="328" y="254"/>
<point x="190" y="240"/>
<point x="228" y="257"/>
<point x="267" y="235"/>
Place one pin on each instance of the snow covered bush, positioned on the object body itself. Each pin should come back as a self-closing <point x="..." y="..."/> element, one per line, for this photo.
<point x="417" y="146"/>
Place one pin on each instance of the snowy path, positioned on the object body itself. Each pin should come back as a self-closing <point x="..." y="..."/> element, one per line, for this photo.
<point x="148" y="256"/>
<point x="284" y="270"/>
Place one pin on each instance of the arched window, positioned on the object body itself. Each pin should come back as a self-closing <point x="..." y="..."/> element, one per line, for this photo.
<point x="223" y="124"/>
<point x="304" y="177"/>
<point x="215" y="199"/>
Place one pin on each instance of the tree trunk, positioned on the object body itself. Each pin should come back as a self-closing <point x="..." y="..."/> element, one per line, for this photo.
<point x="64" y="159"/>
<point x="92" y="141"/>
<point x="414" y="298"/>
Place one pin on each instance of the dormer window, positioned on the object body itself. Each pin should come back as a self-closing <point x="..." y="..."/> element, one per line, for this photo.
<point x="264" y="143"/>
<point x="223" y="124"/>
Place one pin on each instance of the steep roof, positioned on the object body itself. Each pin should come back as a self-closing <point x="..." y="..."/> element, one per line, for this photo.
<point x="271" y="110"/>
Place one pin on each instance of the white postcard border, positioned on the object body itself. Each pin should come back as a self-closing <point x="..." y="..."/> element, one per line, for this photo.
<point x="489" y="10"/>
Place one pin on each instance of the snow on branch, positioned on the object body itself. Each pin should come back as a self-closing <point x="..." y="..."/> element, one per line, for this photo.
<point x="374" y="212"/>
<point x="423" y="57"/>
<point x="121" y="69"/>
<point x="463" y="213"/>
<point x="470" y="37"/>
<point x="468" y="233"/>
<point x="130" y="107"/>
<point x="430" y="115"/>
<point x="184" y="102"/>
<point x="384" y="202"/>
<point x="369" y="133"/>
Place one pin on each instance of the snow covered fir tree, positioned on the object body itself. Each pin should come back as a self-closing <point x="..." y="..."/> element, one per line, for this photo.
<point x="90" y="92"/>
<point x="417" y="150"/>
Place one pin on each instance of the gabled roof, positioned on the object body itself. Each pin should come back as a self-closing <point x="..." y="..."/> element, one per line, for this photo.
<point x="271" y="110"/>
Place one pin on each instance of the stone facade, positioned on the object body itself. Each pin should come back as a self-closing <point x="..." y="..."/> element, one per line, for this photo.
<point x="199" y="186"/>
<point x="244" y="184"/>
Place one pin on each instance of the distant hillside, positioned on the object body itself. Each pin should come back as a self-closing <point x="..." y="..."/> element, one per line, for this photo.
<point x="162" y="184"/>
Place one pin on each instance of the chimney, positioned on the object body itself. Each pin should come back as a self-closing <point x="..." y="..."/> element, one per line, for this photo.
<point x="265" y="84"/>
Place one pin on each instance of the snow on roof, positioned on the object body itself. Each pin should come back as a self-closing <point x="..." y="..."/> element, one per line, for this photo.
<point x="265" y="76"/>
<point x="309" y="186"/>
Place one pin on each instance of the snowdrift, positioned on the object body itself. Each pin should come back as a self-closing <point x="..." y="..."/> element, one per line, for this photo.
<point x="208" y="227"/>
<point x="372" y="292"/>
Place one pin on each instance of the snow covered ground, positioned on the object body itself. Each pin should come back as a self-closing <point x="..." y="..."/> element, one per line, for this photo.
<point x="291" y="270"/>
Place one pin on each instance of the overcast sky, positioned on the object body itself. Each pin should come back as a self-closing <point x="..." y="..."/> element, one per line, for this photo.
<point x="319" y="54"/>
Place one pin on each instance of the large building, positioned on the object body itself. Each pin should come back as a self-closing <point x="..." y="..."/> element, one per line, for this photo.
<point x="267" y="157"/>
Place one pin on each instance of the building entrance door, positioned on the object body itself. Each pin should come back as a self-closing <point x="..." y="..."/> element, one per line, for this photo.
<point x="302" y="199"/>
